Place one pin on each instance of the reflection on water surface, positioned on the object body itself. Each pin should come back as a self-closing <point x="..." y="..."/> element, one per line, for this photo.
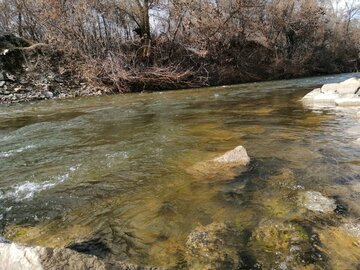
<point x="116" y="169"/>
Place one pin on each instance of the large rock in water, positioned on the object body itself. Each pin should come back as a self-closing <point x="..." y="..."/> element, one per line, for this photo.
<point x="345" y="93"/>
<point x="237" y="156"/>
<point x="20" y="257"/>
<point x="224" y="167"/>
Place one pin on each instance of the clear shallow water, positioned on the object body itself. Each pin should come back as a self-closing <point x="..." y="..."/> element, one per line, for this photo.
<point x="118" y="167"/>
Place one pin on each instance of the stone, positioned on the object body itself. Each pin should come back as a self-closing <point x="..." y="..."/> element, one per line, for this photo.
<point x="236" y="156"/>
<point x="345" y="93"/>
<point x="350" y="86"/>
<point x="348" y="101"/>
<point x="358" y="114"/>
<point x="225" y="167"/>
<point x="352" y="228"/>
<point x="278" y="245"/>
<point x="10" y="77"/>
<point x="316" y="202"/>
<point x="49" y="95"/>
<point x="21" y="257"/>
<point x="325" y="98"/>
<point x="330" y="88"/>
<point x="311" y="94"/>
<point x="214" y="246"/>
<point x="317" y="96"/>
<point x="2" y="83"/>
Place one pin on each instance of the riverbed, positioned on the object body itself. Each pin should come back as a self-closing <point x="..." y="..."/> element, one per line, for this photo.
<point x="115" y="170"/>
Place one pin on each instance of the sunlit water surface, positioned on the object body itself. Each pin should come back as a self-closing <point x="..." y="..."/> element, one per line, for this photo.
<point x="117" y="167"/>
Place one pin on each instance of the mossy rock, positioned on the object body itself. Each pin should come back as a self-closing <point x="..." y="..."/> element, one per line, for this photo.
<point x="215" y="246"/>
<point x="281" y="245"/>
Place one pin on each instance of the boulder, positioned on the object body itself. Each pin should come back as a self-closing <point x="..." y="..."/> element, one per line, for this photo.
<point x="279" y="245"/>
<point x="309" y="96"/>
<point x="355" y="101"/>
<point x="345" y="93"/>
<point x="237" y="156"/>
<point x="316" y="202"/>
<point x="325" y="98"/>
<point x="224" y="167"/>
<point x="21" y="257"/>
<point x="350" y="86"/>
<point x="329" y="88"/>
<point x="214" y="246"/>
<point x="18" y="257"/>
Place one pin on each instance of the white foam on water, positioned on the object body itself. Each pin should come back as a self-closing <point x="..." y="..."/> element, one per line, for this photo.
<point x="27" y="190"/>
<point x="15" y="151"/>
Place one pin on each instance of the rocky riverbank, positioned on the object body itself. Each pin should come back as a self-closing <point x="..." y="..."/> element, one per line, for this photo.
<point x="30" y="72"/>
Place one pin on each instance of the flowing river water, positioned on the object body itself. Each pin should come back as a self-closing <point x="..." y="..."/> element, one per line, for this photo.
<point x="113" y="172"/>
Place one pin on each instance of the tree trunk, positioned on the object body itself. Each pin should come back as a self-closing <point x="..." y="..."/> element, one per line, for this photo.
<point x="147" y="33"/>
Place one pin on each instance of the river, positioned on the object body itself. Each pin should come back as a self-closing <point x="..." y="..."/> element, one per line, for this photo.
<point x="116" y="169"/>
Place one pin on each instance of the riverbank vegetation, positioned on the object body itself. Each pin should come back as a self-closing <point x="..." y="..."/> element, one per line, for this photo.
<point x="166" y="44"/>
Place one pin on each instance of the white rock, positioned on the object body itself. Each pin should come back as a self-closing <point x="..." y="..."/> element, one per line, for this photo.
<point x="351" y="80"/>
<point x="326" y="98"/>
<point x="236" y="156"/>
<point x="316" y="202"/>
<point x="350" y="86"/>
<point x="17" y="257"/>
<point x="329" y="88"/>
<point x="348" y="101"/>
<point x="310" y="95"/>
<point x="358" y="115"/>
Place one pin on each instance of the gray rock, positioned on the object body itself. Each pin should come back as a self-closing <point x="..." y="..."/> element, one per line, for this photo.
<point x="316" y="202"/>
<point x="49" y="95"/>
<point x="3" y="240"/>
<point x="236" y="156"/>
<point x="2" y="83"/>
<point x="10" y="77"/>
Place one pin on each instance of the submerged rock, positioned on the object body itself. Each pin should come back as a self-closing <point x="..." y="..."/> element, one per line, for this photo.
<point x="214" y="246"/>
<point x="316" y="202"/>
<point x="342" y="245"/>
<point x="281" y="246"/>
<point x="352" y="228"/>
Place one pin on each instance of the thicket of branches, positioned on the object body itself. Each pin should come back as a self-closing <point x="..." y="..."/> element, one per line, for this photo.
<point x="159" y="44"/>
